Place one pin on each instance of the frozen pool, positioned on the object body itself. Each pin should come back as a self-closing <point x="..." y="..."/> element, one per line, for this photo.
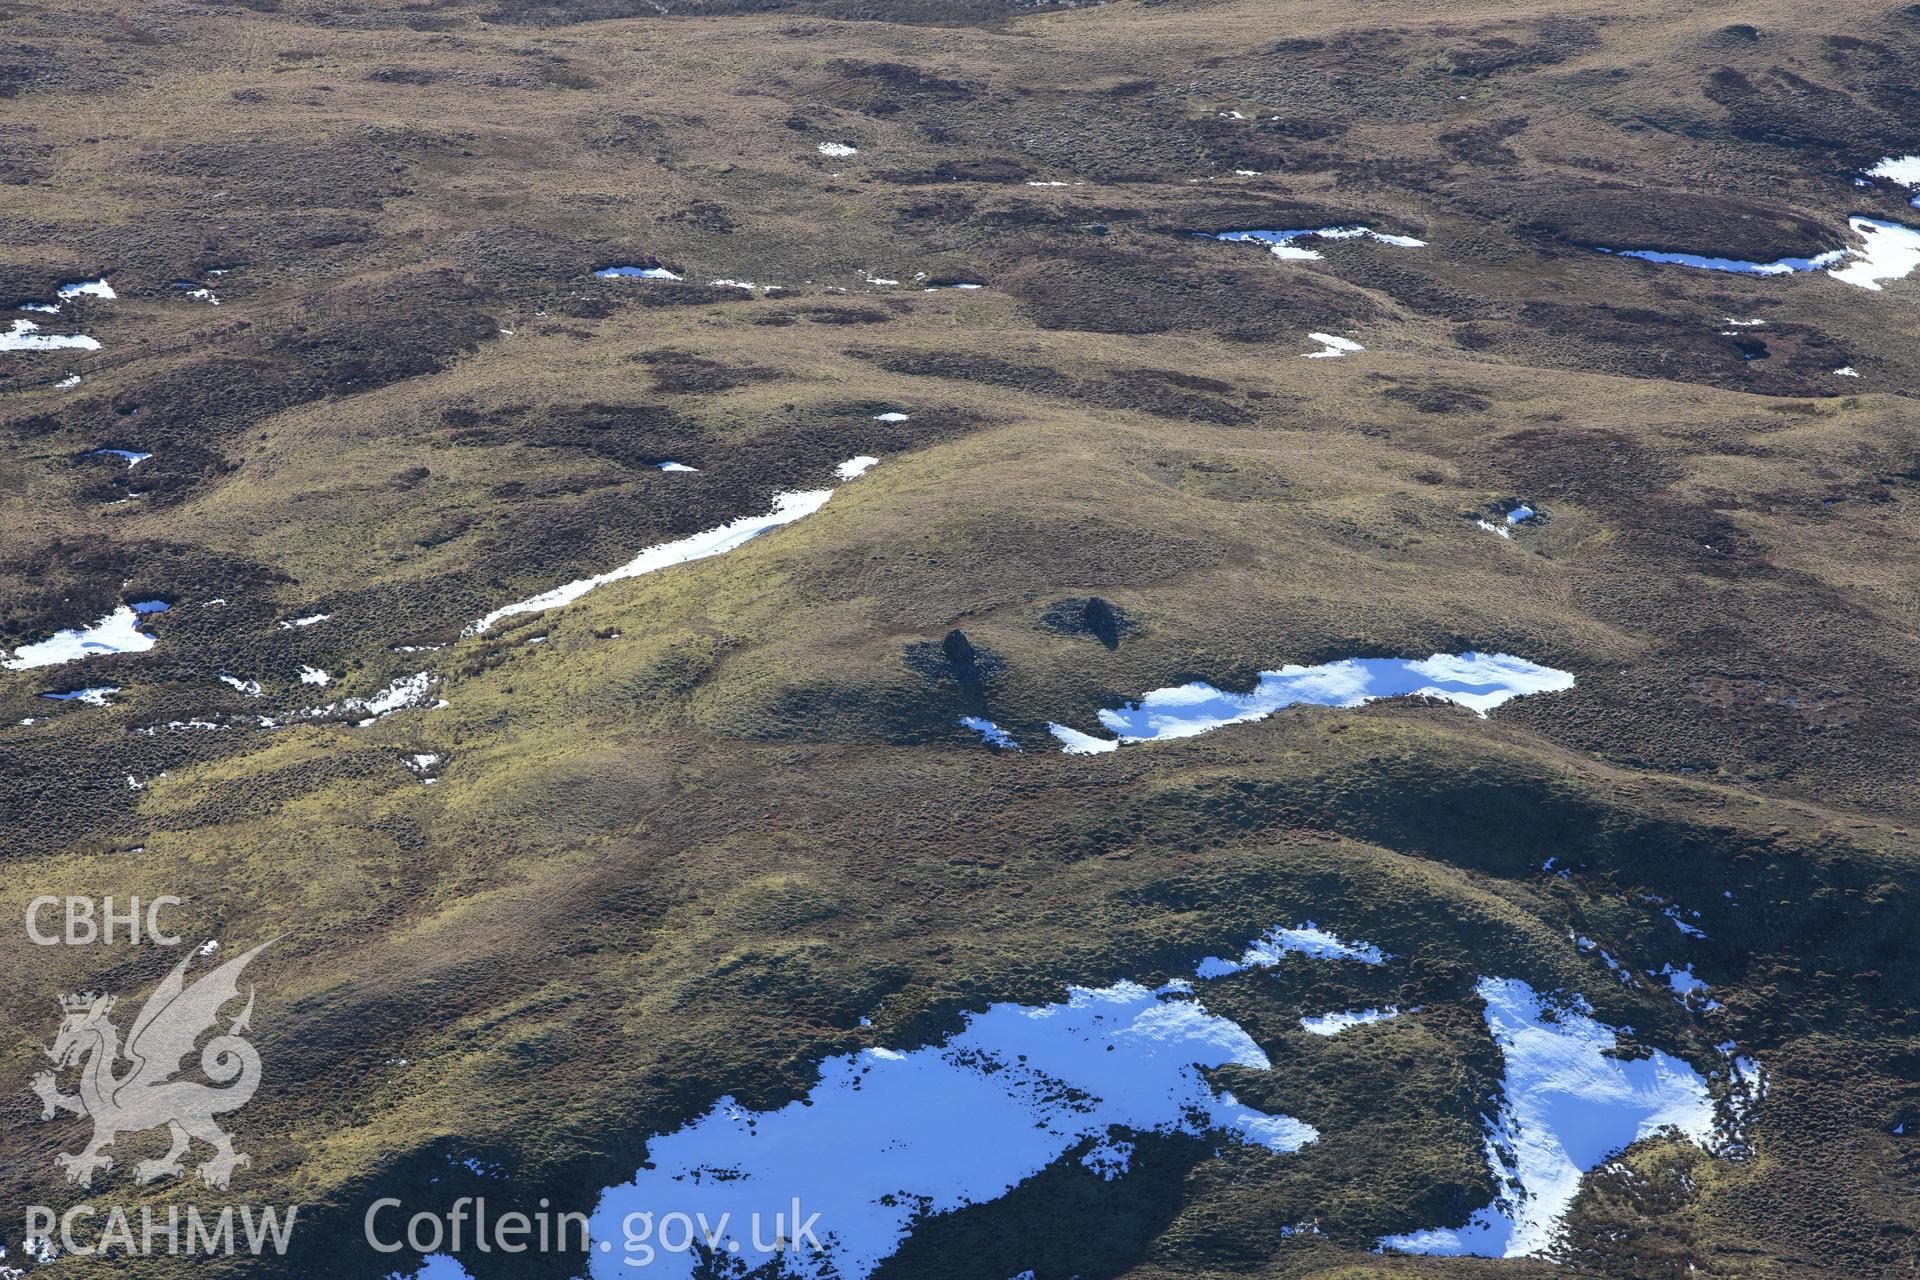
<point x="118" y="632"/>
<point x="86" y="289"/>
<point x="96" y="696"/>
<point x="25" y="335"/>
<point x="1738" y="266"/>
<point x="132" y="457"/>
<point x="787" y="508"/>
<point x="1887" y="251"/>
<point x="636" y="273"/>
<point x="1479" y="681"/>
<point x="1286" y="244"/>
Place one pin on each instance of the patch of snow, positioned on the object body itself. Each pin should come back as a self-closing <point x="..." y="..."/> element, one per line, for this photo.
<point x="1744" y="324"/>
<point x="314" y="675"/>
<point x="1491" y="527"/>
<point x="1889" y="252"/>
<point x="22" y="337"/>
<point x="854" y="468"/>
<point x="636" y="273"/>
<point x="423" y="764"/>
<point x="44" y="308"/>
<point x="1478" y="681"/>
<point x="1618" y="970"/>
<point x="1332" y="1024"/>
<point x="676" y="466"/>
<point x="837" y="149"/>
<point x="118" y="632"/>
<point x="880" y="280"/>
<point x="1331" y="346"/>
<point x="1691" y="930"/>
<point x="1076" y="743"/>
<point x="249" y="687"/>
<point x="787" y="508"/>
<point x="1568" y="1106"/>
<point x="404" y="693"/>
<point x="70" y="381"/>
<point x="435" y="1266"/>
<point x="891" y="417"/>
<point x="1046" y="184"/>
<point x="990" y="733"/>
<point x="1846" y="371"/>
<point x="1519" y="513"/>
<point x="95" y="696"/>
<point x="153" y="730"/>
<point x="86" y="289"/>
<point x="311" y="619"/>
<point x="1308" y="940"/>
<point x="886" y="1138"/>
<point x="1282" y="243"/>
<point x="1904" y="170"/>
<point x="1110" y="1158"/>
<point x="1246" y="173"/>
<point x="1686" y="987"/>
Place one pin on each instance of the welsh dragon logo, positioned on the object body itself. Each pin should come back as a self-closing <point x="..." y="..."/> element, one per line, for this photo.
<point x="148" y="1094"/>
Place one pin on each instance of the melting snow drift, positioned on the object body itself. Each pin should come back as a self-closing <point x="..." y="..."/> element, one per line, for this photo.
<point x="1890" y="252"/>
<point x="1479" y="681"/>
<point x="886" y="1138"/>
<point x="787" y="508"/>
<point x="1307" y="939"/>
<point x="1568" y="1107"/>
<point x="990" y="733"/>
<point x="1332" y="346"/>
<point x="1904" y="170"/>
